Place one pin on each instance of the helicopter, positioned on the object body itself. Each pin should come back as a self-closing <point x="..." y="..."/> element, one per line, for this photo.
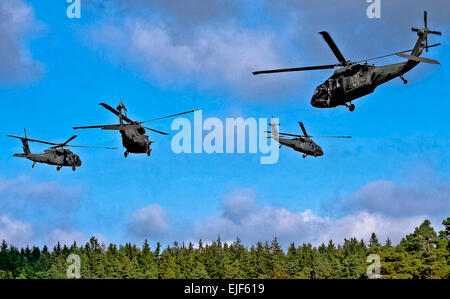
<point x="58" y="154"/>
<point x="301" y="143"/>
<point x="133" y="132"/>
<point x="353" y="80"/>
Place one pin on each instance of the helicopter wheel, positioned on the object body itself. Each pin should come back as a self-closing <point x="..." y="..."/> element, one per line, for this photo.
<point x="58" y="168"/>
<point x="304" y="156"/>
<point x="149" y="152"/>
<point x="351" y="108"/>
<point x="404" y="80"/>
<point x="125" y="154"/>
<point x="74" y="168"/>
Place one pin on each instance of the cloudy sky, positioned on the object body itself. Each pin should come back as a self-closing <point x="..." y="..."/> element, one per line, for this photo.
<point x="168" y="56"/>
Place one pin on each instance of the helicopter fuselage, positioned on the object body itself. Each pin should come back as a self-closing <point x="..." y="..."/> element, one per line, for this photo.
<point x="132" y="132"/>
<point x="303" y="145"/>
<point x="355" y="81"/>
<point x="59" y="157"/>
<point x="135" y="140"/>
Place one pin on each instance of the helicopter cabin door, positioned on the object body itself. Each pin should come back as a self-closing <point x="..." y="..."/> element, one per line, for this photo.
<point x="358" y="80"/>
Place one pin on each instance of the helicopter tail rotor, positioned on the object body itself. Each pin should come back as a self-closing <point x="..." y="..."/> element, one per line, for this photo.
<point x="425" y="30"/>
<point x="26" y="147"/>
<point x="122" y="106"/>
<point x="274" y="130"/>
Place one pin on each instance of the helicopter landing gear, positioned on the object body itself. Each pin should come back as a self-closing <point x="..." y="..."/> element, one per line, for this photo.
<point x="32" y="166"/>
<point x="125" y="154"/>
<point x="149" y="152"/>
<point x="351" y="107"/>
<point x="404" y="80"/>
<point x="304" y="156"/>
<point x="74" y="168"/>
<point x="58" y="168"/>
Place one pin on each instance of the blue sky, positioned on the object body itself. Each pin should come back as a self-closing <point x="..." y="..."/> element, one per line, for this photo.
<point x="163" y="58"/>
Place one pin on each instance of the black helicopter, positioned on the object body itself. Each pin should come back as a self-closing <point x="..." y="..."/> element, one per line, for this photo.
<point x="57" y="155"/>
<point x="301" y="143"/>
<point x="133" y="132"/>
<point x="353" y="80"/>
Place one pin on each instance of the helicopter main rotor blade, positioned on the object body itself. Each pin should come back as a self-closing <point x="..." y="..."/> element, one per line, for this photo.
<point x="307" y="136"/>
<point x="434" y="32"/>
<point x="106" y="106"/>
<point x="103" y="127"/>
<point x="303" y="128"/>
<point x="168" y="116"/>
<point x="69" y="140"/>
<point x="33" y="140"/>
<point x="156" y="131"/>
<point x="425" y="18"/>
<point x="291" y="135"/>
<point x="393" y="54"/>
<point x="65" y="143"/>
<point x="16" y="137"/>
<point x="85" y="146"/>
<point x="286" y="134"/>
<point x="346" y="137"/>
<point x="298" y="69"/>
<point x="326" y="36"/>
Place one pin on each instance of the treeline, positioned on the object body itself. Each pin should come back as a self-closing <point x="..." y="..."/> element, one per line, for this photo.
<point x="421" y="254"/>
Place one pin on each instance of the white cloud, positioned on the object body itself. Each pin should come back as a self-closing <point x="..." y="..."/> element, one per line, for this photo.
<point x="14" y="231"/>
<point x="15" y="192"/>
<point x="391" y="199"/>
<point x="16" y="23"/>
<point x="46" y="206"/>
<point x="68" y="236"/>
<point x="64" y="237"/>
<point x="150" y="221"/>
<point x="189" y="12"/>
<point x="219" y="43"/>
<point x="261" y="224"/>
<point x="363" y="224"/>
<point x="238" y="204"/>
<point x="212" y="56"/>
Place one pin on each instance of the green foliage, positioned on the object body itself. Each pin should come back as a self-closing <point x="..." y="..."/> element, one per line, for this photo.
<point x="423" y="254"/>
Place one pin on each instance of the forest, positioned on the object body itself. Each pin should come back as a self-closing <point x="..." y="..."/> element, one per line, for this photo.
<point x="422" y="254"/>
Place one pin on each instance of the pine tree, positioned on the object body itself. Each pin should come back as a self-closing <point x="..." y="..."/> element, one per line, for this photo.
<point x="168" y="267"/>
<point x="388" y="243"/>
<point x="421" y="254"/>
<point x="373" y="243"/>
<point x="148" y="262"/>
<point x="58" y="270"/>
<point x="233" y="271"/>
<point x="199" y="272"/>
